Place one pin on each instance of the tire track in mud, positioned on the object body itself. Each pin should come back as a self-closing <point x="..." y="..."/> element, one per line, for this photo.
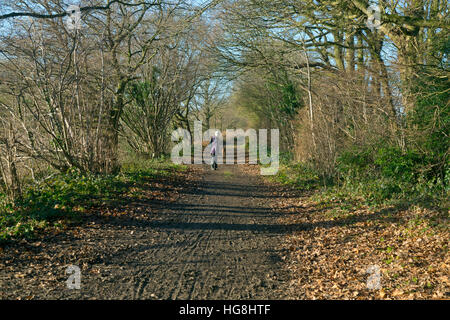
<point x="217" y="241"/>
<point x="226" y="250"/>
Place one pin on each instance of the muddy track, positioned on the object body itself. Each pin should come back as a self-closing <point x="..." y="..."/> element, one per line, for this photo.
<point x="219" y="240"/>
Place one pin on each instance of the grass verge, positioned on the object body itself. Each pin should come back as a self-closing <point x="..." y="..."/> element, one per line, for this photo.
<point x="61" y="199"/>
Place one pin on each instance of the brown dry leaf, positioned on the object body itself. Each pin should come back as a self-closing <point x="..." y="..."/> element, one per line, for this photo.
<point x="331" y="256"/>
<point x="397" y="292"/>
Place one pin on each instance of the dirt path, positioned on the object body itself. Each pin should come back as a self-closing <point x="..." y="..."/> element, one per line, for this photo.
<point x="218" y="240"/>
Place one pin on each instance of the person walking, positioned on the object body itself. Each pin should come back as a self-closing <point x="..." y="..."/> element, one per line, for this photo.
<point x="214" y="150"/>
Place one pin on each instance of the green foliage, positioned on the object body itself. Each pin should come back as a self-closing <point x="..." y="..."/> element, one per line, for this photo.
<point x="393" y="163"/>
<point x="286" y="157"/>
<point x="377" y="161"/>
<point x="377" y="174"/>
<point x="354" y="162"/>
<point x="300" y="175"/>
<point x="69" y="189"/>
<point x="148" y="114"/>
<point x="382" y="172"/>
<point x="64" y="196"/>
<point x="430" y="119"/>
<point x="139" y="170"/>
<point x="289" y="97"/>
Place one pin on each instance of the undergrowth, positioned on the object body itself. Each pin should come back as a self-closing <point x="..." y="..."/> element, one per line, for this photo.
<point x="385" y="178"/>
<point x="65" y="196"/>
